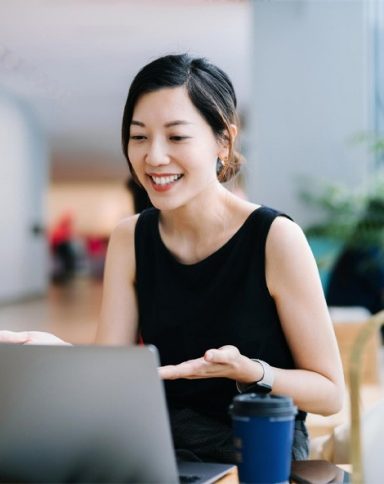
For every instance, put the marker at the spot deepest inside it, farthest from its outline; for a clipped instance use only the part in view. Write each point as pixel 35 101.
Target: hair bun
pixel 231 167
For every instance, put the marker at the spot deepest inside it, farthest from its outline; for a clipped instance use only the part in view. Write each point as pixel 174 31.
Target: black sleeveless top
pixel 186 309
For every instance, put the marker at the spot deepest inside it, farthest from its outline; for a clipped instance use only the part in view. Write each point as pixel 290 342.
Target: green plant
pixel 353 216
pixel 348 218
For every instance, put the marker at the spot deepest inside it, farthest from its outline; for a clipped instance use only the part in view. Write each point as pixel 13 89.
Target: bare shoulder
pixel 285 235
pixel 288 257
pixel 122 242
pixel 125 229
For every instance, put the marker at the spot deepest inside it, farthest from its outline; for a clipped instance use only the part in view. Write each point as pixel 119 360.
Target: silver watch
pixel 264 385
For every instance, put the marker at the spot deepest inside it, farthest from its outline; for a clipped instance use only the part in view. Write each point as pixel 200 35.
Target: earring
pixel 219 165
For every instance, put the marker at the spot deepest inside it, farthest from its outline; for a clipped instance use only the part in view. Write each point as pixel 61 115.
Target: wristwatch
pixel 264 385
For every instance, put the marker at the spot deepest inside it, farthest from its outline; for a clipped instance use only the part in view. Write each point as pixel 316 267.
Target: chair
pixel 367 445
pixel 347 323
pixel 373 445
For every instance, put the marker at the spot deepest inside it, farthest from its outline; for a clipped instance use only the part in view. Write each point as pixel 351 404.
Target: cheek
pixel 133 155
pixel 201 154
pixel 130 152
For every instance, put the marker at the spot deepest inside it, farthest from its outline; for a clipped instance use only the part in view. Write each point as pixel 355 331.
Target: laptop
pixel 88 414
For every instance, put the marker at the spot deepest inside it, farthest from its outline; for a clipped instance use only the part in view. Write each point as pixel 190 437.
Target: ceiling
pixel 73 60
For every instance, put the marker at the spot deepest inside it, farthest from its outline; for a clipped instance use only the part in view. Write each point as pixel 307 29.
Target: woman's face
pixel 172 148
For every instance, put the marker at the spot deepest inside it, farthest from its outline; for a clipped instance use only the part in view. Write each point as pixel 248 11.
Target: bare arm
pixel 119 316
pixel 294 283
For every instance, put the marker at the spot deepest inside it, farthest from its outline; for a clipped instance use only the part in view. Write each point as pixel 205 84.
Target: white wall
pixel 23 175
pixel 96 207
pixel 310 94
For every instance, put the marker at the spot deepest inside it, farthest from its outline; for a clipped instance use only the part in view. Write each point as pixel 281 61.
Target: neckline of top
pixel 209 257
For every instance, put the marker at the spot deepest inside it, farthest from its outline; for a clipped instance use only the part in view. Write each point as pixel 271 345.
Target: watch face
pixel 263 388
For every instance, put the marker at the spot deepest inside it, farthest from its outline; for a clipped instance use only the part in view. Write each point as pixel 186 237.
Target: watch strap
pixel 264 385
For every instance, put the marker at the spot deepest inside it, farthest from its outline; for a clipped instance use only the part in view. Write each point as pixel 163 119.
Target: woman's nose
pixel 156 155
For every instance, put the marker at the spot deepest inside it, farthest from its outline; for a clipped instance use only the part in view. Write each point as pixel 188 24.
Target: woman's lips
pixel 164 182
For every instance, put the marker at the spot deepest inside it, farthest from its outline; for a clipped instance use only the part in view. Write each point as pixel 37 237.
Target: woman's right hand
pixel 30 338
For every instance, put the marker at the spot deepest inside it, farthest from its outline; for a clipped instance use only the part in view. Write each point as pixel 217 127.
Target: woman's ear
pixel 224 143
pixel 233 131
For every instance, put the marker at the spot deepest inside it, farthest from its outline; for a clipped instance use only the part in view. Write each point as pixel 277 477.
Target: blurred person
pixel 60 241
pixel 227 290
pixel 357 277
pixel 96 247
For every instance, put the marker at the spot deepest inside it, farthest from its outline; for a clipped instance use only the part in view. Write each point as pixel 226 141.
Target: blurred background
pixel 309 76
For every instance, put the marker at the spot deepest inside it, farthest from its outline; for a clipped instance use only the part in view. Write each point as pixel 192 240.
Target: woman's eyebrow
pixel 176 123
pixel 167 125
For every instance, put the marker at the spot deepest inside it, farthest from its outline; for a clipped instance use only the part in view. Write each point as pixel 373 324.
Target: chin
pixel 168 204
pixel 163 204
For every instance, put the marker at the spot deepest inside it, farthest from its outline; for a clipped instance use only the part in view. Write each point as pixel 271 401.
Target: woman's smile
pixel 164 182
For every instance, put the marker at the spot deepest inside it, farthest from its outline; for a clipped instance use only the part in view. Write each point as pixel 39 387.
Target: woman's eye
pixel 178 138
pixel 137 137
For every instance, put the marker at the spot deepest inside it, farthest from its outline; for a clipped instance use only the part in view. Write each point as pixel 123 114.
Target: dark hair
pixel 140 198
pixel 210 91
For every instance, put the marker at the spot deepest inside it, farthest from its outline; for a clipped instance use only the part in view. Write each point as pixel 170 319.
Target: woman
pixel 214 281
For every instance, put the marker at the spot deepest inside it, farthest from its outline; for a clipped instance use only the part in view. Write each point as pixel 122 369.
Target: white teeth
pixel 165 180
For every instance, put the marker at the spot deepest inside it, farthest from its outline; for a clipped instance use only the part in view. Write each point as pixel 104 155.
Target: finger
pixel 16 337
pixel 167 372
pixel 216 356
pixel 43 338
pixel 188 369
pixel 223 355
pixel 39 338
pixel 173 372
pixel 228 347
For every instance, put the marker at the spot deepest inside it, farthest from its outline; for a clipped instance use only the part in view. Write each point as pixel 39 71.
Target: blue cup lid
pixel 259 405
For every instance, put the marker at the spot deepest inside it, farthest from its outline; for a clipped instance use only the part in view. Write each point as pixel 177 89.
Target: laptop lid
pixel 83 414
pixel 88 414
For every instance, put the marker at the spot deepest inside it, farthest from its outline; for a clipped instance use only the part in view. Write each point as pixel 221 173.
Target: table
pixel 319 471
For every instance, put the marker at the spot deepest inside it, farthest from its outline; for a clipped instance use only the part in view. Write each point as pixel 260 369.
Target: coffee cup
pixel 263 434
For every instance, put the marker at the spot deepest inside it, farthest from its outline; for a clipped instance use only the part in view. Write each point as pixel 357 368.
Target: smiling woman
pixel 208 90
pixel 226 289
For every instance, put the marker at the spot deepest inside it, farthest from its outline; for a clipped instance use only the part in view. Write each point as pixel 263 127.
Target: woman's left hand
pixel 224 362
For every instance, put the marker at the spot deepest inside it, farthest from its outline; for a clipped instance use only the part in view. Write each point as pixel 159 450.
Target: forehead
pixel 165 105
